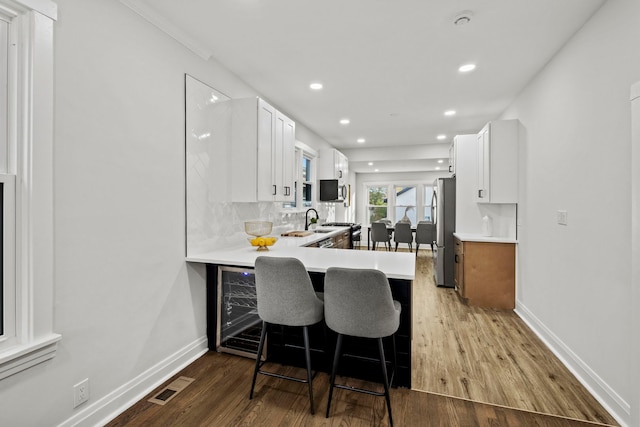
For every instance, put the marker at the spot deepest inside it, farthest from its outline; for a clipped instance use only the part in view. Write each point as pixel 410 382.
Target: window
pixel 307 181
pixel 426 208
pixel 377 202
pixel 5 283
pixel 304 177
pixel 395 201
pixel 26 147
pixel 405 205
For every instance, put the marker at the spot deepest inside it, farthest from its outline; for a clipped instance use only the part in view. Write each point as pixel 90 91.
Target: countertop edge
pixel 484 239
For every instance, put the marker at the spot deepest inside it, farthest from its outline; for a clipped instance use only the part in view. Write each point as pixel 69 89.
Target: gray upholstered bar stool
pixel 358 303
pixel 403 234
pixel 285 297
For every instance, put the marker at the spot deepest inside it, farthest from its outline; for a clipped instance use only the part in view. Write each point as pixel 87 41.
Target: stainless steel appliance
pixel 332 191
pixel 356 231
pixel 239 325
pixel 443 212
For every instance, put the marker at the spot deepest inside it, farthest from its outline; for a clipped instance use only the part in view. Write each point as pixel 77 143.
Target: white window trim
pixel 302 150
pixel 30 123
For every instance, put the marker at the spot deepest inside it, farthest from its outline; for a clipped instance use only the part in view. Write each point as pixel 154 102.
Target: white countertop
pixel 396 265
pixel 486 239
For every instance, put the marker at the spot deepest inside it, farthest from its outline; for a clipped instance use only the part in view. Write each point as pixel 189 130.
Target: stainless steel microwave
pixel 332 191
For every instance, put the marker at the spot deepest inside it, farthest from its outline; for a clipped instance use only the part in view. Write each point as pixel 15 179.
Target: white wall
pixel 126 302
pixel 574 281
pixel 635 249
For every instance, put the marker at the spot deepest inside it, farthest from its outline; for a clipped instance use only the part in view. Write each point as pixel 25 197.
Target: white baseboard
pixel 116 402
pixel 601 391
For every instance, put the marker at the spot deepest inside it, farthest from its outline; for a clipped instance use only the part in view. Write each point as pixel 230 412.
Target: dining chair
pixel 403 234
pixel 425 233
pixel 380 234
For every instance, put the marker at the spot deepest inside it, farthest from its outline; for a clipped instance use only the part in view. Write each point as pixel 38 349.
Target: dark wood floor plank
pixel 219 396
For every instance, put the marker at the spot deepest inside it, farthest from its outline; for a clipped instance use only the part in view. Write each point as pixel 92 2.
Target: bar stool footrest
pixel 287 377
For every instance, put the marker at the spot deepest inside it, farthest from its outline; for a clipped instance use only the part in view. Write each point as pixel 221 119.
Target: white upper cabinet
pixel 333 165
pixel 262 147
pixel 497 174
pixel 452 156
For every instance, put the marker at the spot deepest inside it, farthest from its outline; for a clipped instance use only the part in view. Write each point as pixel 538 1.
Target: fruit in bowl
pixel 260 229
pixel 262 242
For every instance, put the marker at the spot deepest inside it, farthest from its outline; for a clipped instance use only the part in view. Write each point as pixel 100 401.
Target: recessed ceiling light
pixel 450 113
pixel 437 168
pixel 361 140
pixel 316 86
pixel 376 170
pixel 440 161
pixel 441 136
pixel 466 68
pixel 345 121
pixel 370 163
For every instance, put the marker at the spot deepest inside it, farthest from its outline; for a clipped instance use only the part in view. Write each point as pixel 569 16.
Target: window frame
pixel 302 150
pixel 367 186
pixel 29 168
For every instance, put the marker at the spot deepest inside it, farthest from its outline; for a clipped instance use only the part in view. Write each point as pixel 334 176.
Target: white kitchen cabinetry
pixel 262 153
pixel 333 165
pixel 497 180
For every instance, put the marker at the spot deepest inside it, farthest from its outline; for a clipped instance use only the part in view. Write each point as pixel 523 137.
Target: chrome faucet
pixel 306 218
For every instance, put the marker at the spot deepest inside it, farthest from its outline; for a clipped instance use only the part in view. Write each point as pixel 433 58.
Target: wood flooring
pixel 462 356
pixel 488 356
pixel 219 397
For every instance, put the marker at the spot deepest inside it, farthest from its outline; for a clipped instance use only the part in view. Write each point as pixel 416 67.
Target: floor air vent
pixel 170 391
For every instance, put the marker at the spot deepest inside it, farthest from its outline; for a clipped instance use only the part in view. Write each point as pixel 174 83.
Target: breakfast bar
pixel 233 325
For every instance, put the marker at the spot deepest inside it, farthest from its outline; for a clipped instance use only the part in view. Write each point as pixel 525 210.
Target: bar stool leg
pixel 385 379
pixel 263 335
pixel 334 369
pixel 307 354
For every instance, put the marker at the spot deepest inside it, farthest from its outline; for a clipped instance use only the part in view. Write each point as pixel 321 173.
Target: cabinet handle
pixel 457 259
pixel 480 194
pixel 275 190
pixel 339 174
pixel 287 191
pixel 450 167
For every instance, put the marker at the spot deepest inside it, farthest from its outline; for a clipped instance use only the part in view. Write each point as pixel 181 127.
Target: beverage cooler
pixel 238 323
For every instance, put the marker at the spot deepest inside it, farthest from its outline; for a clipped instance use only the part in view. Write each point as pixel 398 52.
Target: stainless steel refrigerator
pixel 443 212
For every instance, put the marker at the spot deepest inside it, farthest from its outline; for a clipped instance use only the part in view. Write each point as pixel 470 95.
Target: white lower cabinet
pixel 262 153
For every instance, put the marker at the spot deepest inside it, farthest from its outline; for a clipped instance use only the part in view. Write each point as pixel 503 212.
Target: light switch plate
pixel 562 217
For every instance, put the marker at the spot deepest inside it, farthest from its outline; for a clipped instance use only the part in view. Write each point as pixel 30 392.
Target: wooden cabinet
pixel 342 240
pixel 497 173
pixel 484 274
pixel 332 164
pixel 262 153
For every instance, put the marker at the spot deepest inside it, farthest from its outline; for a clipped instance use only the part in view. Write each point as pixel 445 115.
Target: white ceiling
pixel 390 66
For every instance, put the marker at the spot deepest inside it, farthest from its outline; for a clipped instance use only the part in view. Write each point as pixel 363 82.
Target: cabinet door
pixel 267 188
pixel 288 159
pixel 484 165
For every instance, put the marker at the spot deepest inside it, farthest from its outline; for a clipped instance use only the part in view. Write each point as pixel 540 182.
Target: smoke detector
pixel 462 18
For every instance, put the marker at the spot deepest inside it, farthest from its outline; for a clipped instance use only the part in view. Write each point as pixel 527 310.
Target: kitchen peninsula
pixel 233 325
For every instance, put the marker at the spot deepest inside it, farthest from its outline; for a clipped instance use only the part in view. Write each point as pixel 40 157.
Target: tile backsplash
pixel 221 224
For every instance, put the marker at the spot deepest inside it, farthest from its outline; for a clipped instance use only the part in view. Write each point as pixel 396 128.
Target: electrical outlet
pixel 562 217
pixel 81 392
